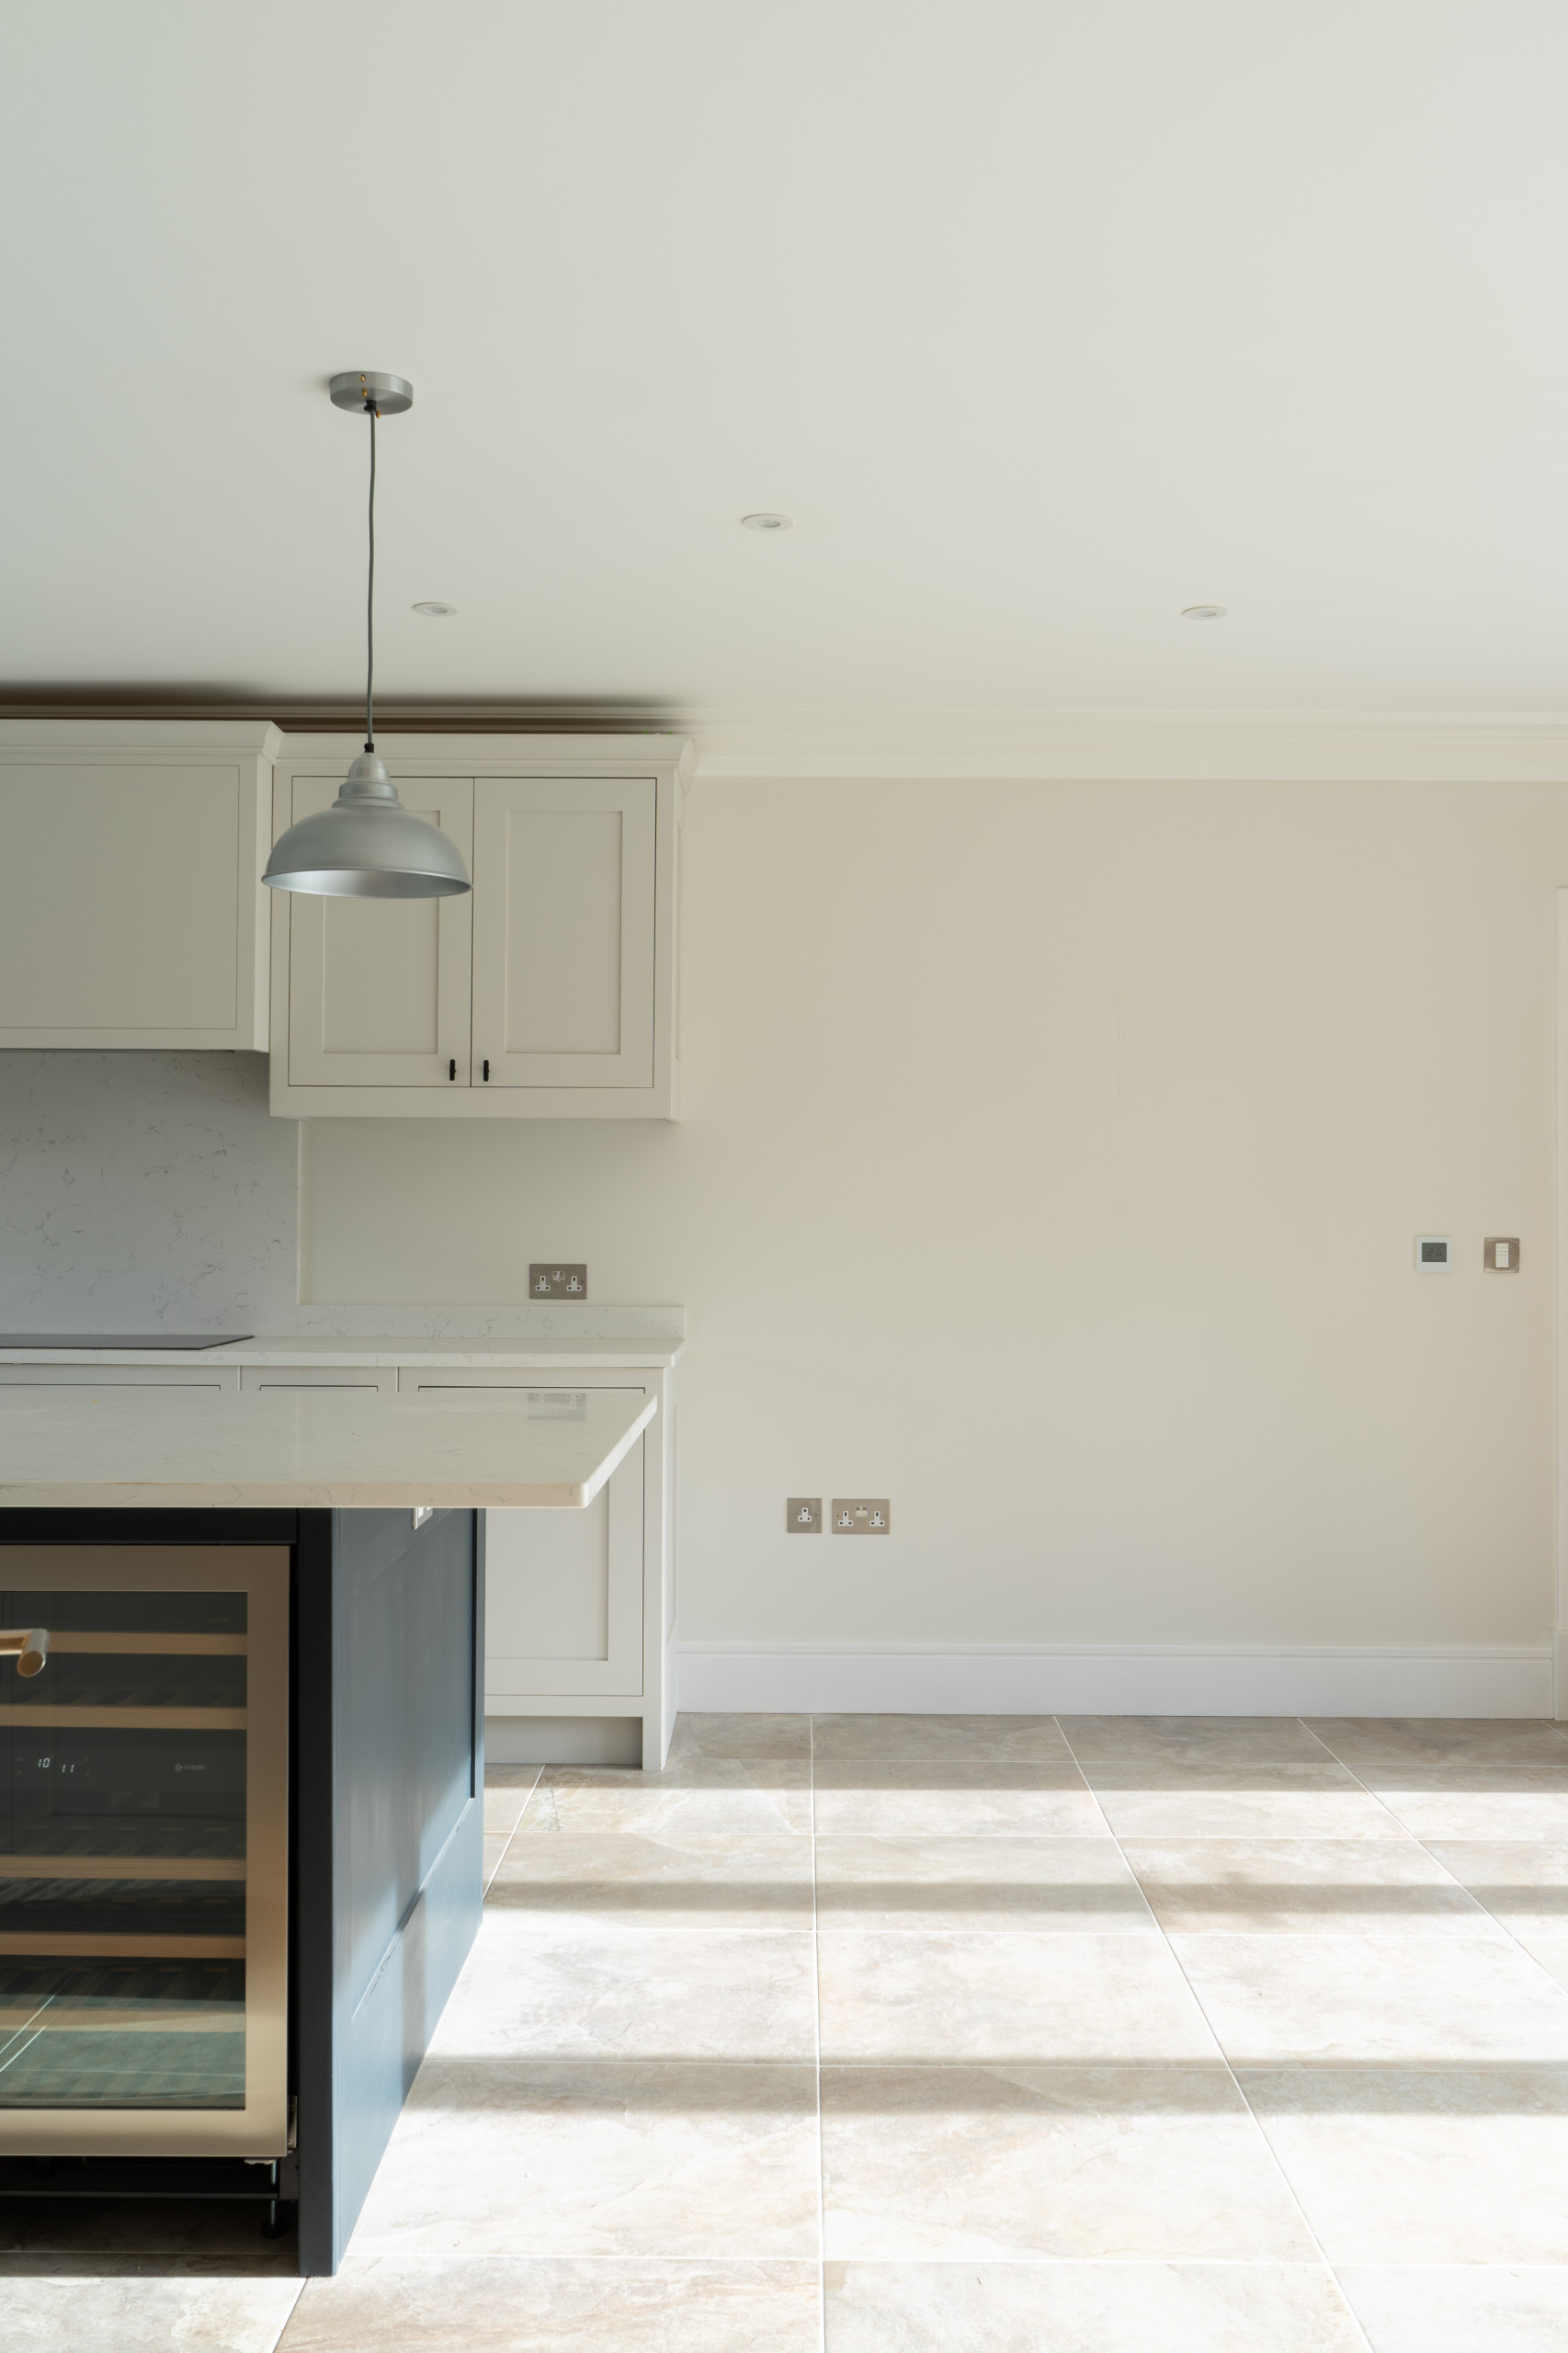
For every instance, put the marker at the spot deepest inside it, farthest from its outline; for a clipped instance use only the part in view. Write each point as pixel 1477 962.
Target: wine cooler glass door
pixel 144 1850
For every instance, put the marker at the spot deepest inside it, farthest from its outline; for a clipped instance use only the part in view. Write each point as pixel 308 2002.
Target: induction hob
pixel 186 1340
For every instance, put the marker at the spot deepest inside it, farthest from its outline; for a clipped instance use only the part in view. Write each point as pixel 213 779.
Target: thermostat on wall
pixel 1432 1253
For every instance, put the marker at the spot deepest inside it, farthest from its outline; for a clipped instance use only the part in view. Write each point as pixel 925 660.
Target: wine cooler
pixel 143 1850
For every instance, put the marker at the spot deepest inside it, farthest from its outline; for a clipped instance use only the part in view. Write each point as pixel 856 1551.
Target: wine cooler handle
pixel 28 1645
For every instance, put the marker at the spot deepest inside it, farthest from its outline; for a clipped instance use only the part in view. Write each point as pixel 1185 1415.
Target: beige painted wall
pixel 1052 1160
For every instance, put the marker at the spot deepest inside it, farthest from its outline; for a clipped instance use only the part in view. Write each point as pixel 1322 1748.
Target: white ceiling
pixel 1042 318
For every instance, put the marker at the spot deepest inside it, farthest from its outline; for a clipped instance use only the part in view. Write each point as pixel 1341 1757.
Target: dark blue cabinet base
pixel 388 1831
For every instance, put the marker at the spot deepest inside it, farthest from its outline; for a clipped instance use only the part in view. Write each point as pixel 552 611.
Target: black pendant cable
pixel 371 412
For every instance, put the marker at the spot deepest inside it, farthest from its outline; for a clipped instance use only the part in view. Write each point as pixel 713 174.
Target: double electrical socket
pixel 558 1282
pixel 852 1515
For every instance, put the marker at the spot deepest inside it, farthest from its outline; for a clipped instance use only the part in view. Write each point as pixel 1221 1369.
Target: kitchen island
pixel 241 1854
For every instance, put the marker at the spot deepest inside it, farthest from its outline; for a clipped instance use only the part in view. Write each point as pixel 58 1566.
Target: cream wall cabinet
pixel 548 992
pixel 131 909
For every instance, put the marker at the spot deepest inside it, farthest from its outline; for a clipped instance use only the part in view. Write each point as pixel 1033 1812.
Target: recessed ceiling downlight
pixel 765 523
pixel 1204 612
pixel 433 611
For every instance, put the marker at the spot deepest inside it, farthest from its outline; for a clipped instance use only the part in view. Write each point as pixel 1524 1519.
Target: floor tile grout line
pixel 1110 1834
pixel 288 2317
pixel 1333 2271
pixel 1272 2155
pixel 511 1833
pixel 1484 1911
pixel 1487 1913
pixel 816 2044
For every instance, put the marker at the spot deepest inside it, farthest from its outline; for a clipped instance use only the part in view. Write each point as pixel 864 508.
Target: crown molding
pixel 738 743
pixel 1132 747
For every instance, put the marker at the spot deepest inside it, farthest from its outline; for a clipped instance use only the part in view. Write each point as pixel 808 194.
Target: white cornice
pixel 1241 746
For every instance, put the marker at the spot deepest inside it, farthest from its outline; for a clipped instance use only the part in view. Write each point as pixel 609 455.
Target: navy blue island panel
pixel 389 1781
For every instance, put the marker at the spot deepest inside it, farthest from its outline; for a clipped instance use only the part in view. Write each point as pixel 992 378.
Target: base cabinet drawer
pixel 119 1376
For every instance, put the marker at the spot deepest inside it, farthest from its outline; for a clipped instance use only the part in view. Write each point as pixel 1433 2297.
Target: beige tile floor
pixel 917 2034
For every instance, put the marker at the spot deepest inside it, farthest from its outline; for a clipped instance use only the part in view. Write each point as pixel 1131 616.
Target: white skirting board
pixel 1264 1679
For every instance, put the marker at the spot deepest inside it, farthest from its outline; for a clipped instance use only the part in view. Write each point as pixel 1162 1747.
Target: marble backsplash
pixel 145 1192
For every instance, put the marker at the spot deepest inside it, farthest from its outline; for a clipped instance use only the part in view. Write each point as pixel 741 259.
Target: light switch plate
pixel 1500 1251
pixel 547 1281
pixel 802 1515
pixel 861 1516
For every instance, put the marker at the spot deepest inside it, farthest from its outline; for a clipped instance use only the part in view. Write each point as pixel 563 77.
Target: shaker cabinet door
pixel 116 900
pixel 379 989
pixel 563 932
pixel 563 1597
pixel 562 1590
pixel 131 909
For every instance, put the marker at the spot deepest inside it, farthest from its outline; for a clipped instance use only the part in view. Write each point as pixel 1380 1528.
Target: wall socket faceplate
pixel 802 1515
pixel 548 1282
pixel 861 1516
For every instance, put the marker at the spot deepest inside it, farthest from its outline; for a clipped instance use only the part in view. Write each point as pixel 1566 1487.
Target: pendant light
pixel 368 845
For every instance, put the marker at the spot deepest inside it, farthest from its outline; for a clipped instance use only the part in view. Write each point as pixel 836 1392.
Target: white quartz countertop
pixel 307 1450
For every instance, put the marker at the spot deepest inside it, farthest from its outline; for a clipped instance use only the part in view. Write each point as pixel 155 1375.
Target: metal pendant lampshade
pixel 368 845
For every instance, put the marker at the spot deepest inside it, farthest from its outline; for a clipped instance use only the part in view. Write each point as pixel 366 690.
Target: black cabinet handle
pixel 452 1067
pixel 487 1074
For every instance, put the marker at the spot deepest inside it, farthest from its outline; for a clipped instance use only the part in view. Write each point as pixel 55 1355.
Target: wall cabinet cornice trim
pixel 737 743
pixel 161 739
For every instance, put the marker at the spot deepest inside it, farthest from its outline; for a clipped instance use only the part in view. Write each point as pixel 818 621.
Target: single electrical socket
pixel 558 1282
pixel 802 1515
pixel 861 1516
